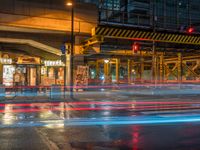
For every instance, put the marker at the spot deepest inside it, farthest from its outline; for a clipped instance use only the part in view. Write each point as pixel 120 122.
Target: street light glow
pixel 106 61
pixel 69 4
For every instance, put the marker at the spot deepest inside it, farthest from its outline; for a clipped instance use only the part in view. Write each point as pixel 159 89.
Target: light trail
pixel 101 103
pixel 138 108
pixel 130 102
pixel 158 85
pixel 144 120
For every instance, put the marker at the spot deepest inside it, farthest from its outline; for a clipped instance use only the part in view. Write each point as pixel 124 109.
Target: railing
pixel 142 20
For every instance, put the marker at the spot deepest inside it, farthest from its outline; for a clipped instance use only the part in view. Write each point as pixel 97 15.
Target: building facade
pixel 33 32
pixel 162 14
pixel 179 17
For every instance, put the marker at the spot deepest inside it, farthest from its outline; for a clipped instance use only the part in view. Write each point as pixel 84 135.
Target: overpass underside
pixel 163 57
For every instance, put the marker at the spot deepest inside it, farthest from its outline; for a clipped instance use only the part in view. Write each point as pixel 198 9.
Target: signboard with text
pixel 28 60
pixel 82 76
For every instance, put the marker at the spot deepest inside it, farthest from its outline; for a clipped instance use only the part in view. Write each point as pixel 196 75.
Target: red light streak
pixel 100 103
pixel 135 137
pixel 137 108
pixel 148 83
pixel 129 102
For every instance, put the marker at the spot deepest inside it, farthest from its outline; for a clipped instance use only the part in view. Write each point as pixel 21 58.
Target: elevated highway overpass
pixel 44 25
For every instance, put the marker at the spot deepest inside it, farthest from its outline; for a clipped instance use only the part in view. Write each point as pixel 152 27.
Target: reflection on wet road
pixel 137 123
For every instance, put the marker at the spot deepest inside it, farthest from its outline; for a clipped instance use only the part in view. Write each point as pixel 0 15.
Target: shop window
pixel 51 73
pixel 8 72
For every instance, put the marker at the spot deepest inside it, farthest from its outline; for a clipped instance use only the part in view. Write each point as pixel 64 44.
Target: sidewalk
pixel 127 94
pixel 58 97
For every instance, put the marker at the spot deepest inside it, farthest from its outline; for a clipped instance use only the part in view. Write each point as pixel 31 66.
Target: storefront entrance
pixel 15 75
pixel 32 76
pixel 32 71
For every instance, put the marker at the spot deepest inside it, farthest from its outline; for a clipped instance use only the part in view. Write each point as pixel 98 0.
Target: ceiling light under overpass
pixel 106 61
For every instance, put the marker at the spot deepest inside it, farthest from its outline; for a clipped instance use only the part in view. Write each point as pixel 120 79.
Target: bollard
pixel 55 93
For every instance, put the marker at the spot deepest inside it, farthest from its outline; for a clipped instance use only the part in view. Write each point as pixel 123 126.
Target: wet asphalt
pixel 105 125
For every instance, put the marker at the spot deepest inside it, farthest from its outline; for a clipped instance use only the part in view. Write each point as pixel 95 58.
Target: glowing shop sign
pixel 53 63
pixel 5 60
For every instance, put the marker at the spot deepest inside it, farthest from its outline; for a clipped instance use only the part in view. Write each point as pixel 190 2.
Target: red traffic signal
pixel 135 47
pixel 190 30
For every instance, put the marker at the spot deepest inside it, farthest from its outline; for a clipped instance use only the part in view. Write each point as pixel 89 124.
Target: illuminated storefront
pixel 20 70
pixel 25 70
pixel 52 72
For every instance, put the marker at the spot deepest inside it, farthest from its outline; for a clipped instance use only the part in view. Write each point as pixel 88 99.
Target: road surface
pixel 113 121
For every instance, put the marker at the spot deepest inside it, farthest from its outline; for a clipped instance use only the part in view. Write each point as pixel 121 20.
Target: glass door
pixel 32 76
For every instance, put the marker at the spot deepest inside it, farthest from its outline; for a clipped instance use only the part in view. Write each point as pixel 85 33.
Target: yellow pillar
pixel 179 67
pixel 129 71
pixel 161 68
pixel 154 64
pixel 117 70
pixel 106 72
pixel 67 69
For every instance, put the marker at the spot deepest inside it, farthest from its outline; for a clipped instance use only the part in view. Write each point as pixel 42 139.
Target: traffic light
pixel 63 49
pixel 190 30
pixel 135 47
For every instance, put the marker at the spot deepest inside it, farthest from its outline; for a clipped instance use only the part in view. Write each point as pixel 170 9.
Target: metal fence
pixel 146 20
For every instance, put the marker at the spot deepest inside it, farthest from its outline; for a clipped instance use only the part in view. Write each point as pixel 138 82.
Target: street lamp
pixel 70 4
pixel 106 61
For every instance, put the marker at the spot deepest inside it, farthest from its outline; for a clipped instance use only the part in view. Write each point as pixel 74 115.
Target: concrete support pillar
pixel 117 70
pixel 161 68
pixel 129 71
pixel 179 67
pixel 77 44
pixel 67 69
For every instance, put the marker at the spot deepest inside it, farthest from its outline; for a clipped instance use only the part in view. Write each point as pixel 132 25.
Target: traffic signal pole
pixel 72 55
